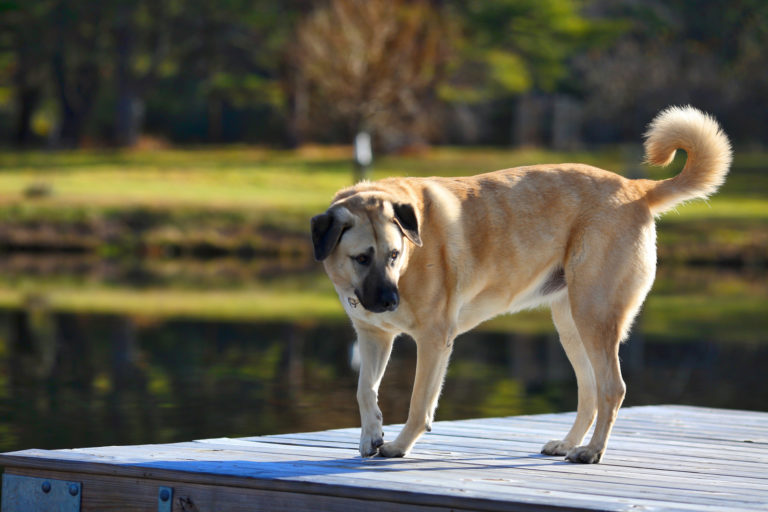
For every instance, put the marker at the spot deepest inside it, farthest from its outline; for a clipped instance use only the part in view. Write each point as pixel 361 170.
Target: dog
pixel 434 257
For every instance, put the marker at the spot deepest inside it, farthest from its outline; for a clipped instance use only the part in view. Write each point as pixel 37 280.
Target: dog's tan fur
pixel 571 236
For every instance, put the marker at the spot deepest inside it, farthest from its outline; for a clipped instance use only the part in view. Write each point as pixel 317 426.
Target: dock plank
pixel 659 458
pixel 623 458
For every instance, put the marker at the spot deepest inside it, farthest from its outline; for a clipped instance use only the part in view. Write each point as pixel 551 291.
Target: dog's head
pixel 363 242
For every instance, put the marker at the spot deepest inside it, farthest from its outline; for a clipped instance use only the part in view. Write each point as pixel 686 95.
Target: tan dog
pixel 434 257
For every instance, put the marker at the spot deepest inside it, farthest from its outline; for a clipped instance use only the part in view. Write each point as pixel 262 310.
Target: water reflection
pixel 70 380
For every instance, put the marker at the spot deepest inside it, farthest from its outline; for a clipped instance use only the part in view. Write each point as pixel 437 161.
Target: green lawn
pixel 256 304
pixel 244 182
pixel 255 181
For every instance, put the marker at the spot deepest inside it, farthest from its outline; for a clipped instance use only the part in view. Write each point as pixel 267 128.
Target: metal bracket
pixel 164 499
pixel 31 494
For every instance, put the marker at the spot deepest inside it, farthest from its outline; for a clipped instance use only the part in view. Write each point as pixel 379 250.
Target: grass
pixel 216 178
pixel 288 299
pixel 239 305
pixel 256 181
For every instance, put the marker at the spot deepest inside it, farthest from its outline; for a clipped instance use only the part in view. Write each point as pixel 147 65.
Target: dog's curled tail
pixel 709 156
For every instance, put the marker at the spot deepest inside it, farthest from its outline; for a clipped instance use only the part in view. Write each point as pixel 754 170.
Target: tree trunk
pixel 128 115
pixel 215 118
pixel 529 121
pixel 566 123
pixel 76 86
pixel 300 110
pixel 27 99
pixel 71 127
pixel 75 101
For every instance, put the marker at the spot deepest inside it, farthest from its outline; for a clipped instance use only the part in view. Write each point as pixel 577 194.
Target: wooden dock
pixel 659 458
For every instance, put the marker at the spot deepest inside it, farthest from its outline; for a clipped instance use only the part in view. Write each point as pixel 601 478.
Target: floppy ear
pixel 326 232
pixel 405 218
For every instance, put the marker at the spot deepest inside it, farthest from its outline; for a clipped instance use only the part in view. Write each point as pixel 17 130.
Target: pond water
pixel 88 379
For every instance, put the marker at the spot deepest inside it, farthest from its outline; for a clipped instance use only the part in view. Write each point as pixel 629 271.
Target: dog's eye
pixel 362 259
pixel 394 254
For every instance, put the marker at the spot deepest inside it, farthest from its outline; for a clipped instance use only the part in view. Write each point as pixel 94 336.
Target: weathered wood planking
pixel 659 458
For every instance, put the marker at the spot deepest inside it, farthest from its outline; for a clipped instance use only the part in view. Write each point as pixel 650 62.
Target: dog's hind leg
pixel 604 300
pixel 585 379
pixel 375 349
pixel 432 355
pixel 601 343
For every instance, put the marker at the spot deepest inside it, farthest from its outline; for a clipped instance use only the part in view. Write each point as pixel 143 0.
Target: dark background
pixel 125 72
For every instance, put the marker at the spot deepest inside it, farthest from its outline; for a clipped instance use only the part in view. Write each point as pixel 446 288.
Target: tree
pixel 374 64
pixel 77 57
pixel 63 48
pixel 111 54
pixel 677 53
pixel 25 52
pixel 514 52
pixel 141 43
pixel 232 49
pixel 511 46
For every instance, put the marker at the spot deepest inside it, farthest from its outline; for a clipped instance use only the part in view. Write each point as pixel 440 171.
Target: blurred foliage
pixel 86 72
pixel 705 53
pixel 394 54
pixel 104 62
pixel 511 46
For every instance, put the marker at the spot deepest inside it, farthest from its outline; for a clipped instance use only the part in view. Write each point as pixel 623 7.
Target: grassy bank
pixel 260 180
pixel 258 201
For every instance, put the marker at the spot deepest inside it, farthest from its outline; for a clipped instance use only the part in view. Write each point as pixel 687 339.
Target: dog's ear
pixel 406 220
pixel 327 229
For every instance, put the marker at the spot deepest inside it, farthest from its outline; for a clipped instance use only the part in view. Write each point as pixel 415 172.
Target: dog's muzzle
pixel 387 299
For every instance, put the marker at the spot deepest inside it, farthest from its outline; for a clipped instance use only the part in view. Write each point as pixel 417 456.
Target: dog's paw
pixel 370 443
pixel 391 450
pixel 584 455
pixel 557 447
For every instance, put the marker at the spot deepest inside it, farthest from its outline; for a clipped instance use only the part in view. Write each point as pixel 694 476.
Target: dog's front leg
pixel 432 357
pixel 375 348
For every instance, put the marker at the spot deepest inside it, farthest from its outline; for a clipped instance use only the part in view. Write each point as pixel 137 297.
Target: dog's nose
pixel 389 299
